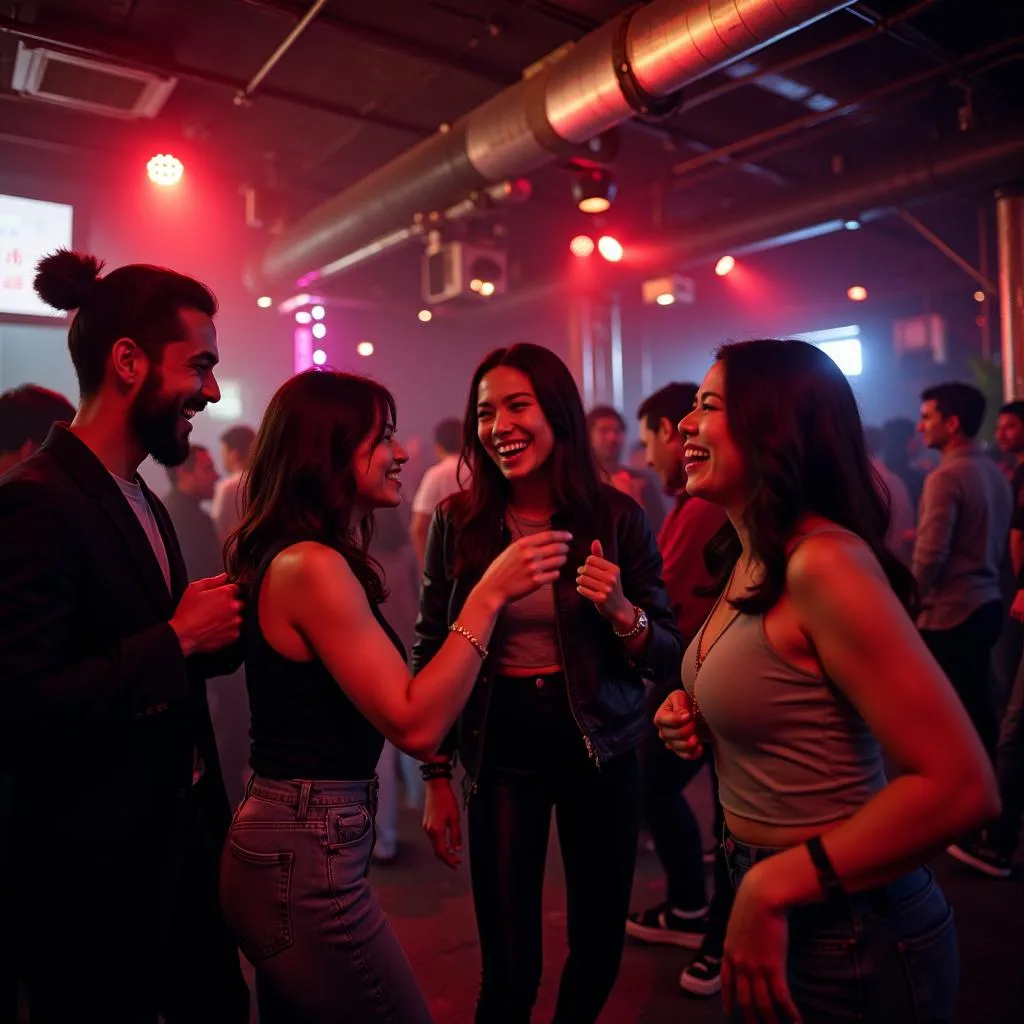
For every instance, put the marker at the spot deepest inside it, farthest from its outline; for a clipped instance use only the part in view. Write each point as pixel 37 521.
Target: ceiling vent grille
pixel 85 84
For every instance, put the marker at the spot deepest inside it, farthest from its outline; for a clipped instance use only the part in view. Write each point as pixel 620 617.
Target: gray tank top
pixel 529 635
pixel 790 749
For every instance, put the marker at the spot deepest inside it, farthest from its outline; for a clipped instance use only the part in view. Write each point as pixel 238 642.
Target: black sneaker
pixel 703 977
pixel 982 858
pixel 664 925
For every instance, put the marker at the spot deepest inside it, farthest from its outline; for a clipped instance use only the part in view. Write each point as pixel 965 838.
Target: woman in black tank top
pixel 835 916
pixel 327 684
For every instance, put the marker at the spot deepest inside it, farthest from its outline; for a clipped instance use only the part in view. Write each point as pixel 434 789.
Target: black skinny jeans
pixel 534 760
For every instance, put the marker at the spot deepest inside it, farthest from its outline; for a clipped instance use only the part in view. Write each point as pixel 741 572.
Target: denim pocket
pixel 348 826
pixel 255 892
pixel 931 965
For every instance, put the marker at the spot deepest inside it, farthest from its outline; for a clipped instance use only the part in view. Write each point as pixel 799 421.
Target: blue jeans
pixel 887 956
pixel 295 894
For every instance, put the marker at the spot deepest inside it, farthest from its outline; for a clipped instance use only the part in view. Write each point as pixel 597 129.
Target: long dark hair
pixel 794 416
pixel 477 512
pixel 301 481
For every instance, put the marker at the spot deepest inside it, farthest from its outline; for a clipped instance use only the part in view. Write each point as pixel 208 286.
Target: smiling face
pixel 175 389
pixel 511 425
pixel 714 465
pixel 377 467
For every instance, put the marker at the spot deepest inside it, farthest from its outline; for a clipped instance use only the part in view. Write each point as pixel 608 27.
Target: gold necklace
pixel 701 658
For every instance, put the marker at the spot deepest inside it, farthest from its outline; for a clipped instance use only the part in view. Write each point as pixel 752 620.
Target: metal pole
pixel 615 322
pixel 983 266
pixel 950 253
pixel 587 351
pixel 1010 238
pixel 245 94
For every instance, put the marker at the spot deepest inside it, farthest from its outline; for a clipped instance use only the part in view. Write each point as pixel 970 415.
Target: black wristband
pixel 831 887
pixel 436 770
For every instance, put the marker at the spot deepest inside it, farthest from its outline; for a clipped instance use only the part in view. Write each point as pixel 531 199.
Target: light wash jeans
pixel 295 893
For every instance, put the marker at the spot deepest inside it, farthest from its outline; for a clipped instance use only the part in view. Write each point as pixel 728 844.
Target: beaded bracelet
pixel 436 770
pixel 457 627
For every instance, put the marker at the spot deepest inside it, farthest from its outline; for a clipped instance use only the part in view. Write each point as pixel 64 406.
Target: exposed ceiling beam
pixel 396 42
pixel 97 41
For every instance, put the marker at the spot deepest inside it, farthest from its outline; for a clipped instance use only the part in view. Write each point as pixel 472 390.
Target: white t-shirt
pixel 440 481
pixel 226 508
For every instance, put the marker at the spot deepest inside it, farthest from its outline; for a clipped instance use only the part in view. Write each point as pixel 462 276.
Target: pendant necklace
pixel 701 658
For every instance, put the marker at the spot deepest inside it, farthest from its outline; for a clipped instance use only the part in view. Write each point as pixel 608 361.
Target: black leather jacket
pixel 606 685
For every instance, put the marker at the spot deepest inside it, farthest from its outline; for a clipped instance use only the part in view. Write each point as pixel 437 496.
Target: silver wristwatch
pixel 640 623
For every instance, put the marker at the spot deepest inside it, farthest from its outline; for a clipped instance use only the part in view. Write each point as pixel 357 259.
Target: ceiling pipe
pixel 635 64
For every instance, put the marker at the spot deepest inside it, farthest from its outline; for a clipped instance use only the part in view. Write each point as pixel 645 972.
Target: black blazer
pixel 100 712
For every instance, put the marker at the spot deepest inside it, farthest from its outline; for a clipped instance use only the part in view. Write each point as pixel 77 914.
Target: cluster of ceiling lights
pixel 165 170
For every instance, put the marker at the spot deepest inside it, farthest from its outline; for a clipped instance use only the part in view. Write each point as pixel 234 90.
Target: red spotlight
pixel 724 265
pixel 610 248
pixel 582 246
pixel 164 169
pixel 857 293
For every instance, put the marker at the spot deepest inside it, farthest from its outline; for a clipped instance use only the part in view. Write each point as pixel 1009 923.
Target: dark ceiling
pixel 368 80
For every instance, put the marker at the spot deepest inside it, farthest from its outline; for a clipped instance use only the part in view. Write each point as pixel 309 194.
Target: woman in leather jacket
pixel 558 710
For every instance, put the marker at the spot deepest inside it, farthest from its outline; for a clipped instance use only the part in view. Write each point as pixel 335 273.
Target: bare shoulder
pixel 309 565
pixel 827 560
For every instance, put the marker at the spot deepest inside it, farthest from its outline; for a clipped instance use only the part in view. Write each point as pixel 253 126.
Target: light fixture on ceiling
pixel 365 348
pixel 264 302
pixel 425 316
pixel 165 170
pixel 725 265
pixel 319 357
pixel 582 246
pixel 857 293
pixel 594 190
pixel 610 248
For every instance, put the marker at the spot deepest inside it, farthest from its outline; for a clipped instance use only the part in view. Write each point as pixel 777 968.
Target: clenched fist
pixel 208 616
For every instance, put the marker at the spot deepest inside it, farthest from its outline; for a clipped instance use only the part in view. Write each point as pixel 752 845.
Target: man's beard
pixel 155 421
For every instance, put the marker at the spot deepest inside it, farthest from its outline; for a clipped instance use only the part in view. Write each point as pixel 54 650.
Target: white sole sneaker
pixel 698 986
pixel 664 936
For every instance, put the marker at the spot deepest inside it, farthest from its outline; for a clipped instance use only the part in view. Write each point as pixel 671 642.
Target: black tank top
pixel 303 724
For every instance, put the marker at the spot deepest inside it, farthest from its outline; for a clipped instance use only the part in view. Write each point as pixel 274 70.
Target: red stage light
pixel 164 169
pixel 610 248
pixel 582 246
pixel 724 265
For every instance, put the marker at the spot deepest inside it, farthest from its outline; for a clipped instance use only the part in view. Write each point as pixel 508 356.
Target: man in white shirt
pixel 226 511
pixel 440 480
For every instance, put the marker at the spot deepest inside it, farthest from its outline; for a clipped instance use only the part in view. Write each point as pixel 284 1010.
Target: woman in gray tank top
pixel 807 668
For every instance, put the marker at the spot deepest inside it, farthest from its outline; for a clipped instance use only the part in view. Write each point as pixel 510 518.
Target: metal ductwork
pixel 633 65
pixel 977 159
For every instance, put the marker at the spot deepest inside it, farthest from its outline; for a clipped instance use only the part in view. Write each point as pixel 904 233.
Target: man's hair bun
pixel 66 279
